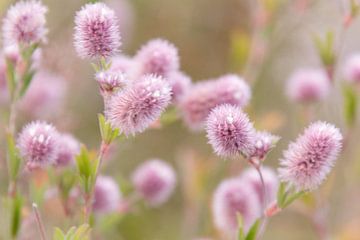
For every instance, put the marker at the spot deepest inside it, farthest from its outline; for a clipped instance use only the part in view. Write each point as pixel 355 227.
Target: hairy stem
pixel 39 222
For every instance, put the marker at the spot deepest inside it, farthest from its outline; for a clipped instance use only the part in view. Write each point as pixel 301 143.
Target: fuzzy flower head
pixel 308 85
pixel 137 106
pixel 107 195
pixel 158 57
pixel 96 31
pixel 4 93
pixel 230 131
pixel 110 81
pixel 204 96
pixel 233 197
pixel 180 83
pixel 24 23
pixel 271 181
pixel 309 159
pixel 68 148
pixel 155 181
pixel 264 143
pixel 38 144
pixel 352 69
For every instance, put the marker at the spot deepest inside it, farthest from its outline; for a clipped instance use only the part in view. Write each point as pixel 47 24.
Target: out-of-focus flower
pixel 68 148
pixel 96 31
pixel 204 96
pixel 45 96
pixel 155 181
pixel 352 69
pixel 230 131
pixel 24 23
pixel 12 53
pixel 264 142
pixel 180 83
pixel 4 93
pixel 107 195
pixel 309 159
pixel 110 81
pixel 271 182
pixel 308 85
pixel 122 64
pixel 139 104
pixel 158 57
pixel 38 144
pixel 233 197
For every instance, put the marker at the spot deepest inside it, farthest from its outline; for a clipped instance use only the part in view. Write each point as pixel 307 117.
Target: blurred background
pixel 262 40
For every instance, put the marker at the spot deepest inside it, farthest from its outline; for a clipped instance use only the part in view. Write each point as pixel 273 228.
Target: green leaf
pixel 82 233
pixel 58 234
pixel 16 215
pixel 253 230
pixel 26 82
pixel 325 47
pixel 281 194
pixel 10 77
pixel 241 234
pixel 13 157
pixel 170 116
pixel 350 105
pixel 292 198
pixel 108 134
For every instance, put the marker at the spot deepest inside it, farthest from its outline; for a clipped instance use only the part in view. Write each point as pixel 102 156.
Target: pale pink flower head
pixel 96 31
pixel 12 53
pixel 158 57
pixel 141 103
pixel 24 23
pixel 110 82
pixel 264 143
pixel 155 181
pixel 107 195
pixel 251 177
pixel 352 69
pixel 4 93
pixel 230 131
pixel 38 144
pixel 308 85
pixel 309 159
pixel 45 96
pixel 204 96
pixel 180 83
pixel 231 198
pixel 68 149
pixel 123 64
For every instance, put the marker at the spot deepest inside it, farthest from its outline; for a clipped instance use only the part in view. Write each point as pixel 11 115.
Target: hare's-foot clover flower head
pixel 204 96
pixel 234 197
pixel 180 83
pixel 96 31
pixel 308 85
pixel 271 182
pixel 309 159
pixel 107 195
pixel 352 69
pixel 24 23
pixel 68 148
pixel 264 143
pixel 110 81
pixel 230 131
pixel 38 144
pixel 158 57
pixel 141 103
pixel 155 181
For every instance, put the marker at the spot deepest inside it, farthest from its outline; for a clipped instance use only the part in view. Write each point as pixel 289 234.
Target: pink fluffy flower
pixel 155 181
pixel 139 104
pixel 264 143
pixel 352 68
pixel 96 31
pixel 308 85
pixel 158 57
pixel 24 23
pixel 204 96
pixel 180 83
pixel 38 144
pixel 308 160
pixel 107 195
pixel 110 81
pixel 230 131
pixel 271 181
pixel 233 197
pixel 68 148
pixel 45 96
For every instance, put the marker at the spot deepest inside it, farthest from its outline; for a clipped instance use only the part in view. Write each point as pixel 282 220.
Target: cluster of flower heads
pixel 41 145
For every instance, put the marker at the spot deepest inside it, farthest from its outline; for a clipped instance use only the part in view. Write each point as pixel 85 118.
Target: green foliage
pixel 325 48
pixel 286 196
pixel 253 231
pixel 108 134
pixel 87 167
pixel 13 157
pixel 240 49
pixel 350 105
pixel 170 116
pixel 16 215
pixel 80 233
pixel 10 77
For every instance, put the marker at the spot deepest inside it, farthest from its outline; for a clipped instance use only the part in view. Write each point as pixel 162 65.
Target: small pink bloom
pixel 180 83
pixel 308 85
pixel 24 23
pixel 68 148
pixel 155 181
pixel 309 159
pixel 110 81
pixel 233 197
pixel 352 69
pixel 38 144
pixel 107 195
pixel 264 143
pixel 230 131
pixel 96 31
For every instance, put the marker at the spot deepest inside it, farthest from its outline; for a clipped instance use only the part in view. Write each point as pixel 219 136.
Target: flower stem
pixel 39 222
